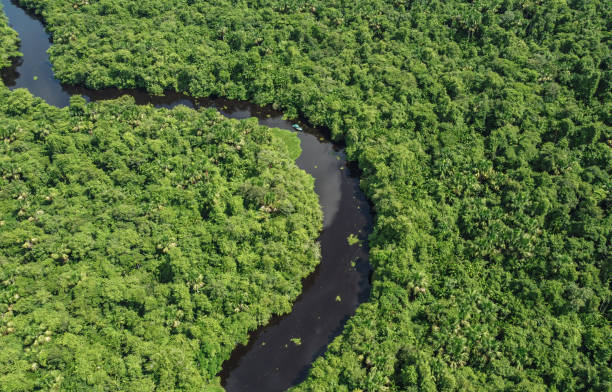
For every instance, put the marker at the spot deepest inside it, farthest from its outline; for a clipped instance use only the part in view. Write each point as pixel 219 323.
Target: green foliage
pixel 139 246
pixel 352 239
pixel 291 141
pixel 296 341
pixel 8 42
pixel 483 132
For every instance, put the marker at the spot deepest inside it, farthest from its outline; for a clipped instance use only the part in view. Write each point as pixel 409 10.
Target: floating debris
pixel 296 341
pixel 297 127
pixel 352 239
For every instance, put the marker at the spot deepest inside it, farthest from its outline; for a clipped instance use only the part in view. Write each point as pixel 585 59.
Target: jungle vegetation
pixel 483 131
pixel 138 246
pixel 8 42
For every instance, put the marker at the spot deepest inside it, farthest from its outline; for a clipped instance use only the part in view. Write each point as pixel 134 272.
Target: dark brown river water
pixel 270 362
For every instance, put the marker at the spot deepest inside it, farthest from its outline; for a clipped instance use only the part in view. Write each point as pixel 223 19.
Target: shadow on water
pixel 331 294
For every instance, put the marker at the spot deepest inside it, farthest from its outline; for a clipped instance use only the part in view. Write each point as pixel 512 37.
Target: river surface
pixel 270 361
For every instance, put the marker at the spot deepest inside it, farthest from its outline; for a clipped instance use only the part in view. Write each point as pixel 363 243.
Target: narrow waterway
pixel 270 362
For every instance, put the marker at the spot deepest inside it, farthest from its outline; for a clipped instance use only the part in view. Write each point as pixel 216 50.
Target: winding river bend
pixel 268 362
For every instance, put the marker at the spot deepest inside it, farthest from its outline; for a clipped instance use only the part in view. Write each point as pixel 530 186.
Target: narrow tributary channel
pixel 270 362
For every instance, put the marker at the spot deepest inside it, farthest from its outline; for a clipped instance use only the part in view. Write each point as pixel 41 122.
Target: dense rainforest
pixel 138 246
pixel 483 132
pixel 8 42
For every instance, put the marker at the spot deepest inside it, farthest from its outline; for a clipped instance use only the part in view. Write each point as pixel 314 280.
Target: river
pixel 269 362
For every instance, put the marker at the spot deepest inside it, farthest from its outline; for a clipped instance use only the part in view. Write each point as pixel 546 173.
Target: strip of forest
pixel 8 43
pixel 139 246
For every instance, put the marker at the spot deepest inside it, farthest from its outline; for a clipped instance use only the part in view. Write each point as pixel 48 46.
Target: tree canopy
pixel 483 132
pixel 8 42
pixel 139 246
